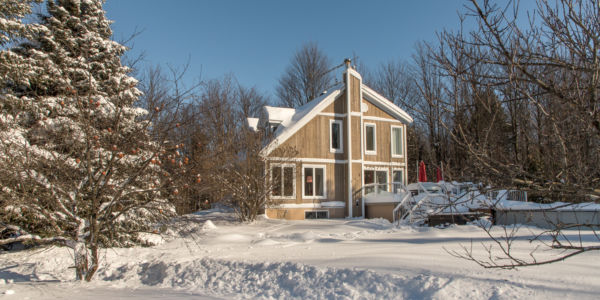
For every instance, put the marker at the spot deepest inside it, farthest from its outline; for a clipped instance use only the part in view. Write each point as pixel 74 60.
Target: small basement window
pixel 316 214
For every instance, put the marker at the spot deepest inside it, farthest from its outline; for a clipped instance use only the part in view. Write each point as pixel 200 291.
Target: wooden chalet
pixel 348 137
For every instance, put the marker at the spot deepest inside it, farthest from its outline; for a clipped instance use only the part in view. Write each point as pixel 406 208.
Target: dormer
pixel 272 117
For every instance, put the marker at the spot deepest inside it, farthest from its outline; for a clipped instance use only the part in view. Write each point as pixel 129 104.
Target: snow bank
pixel 281 280
pixel 151 238
pixel 313 259
pixel 262 280
pixel 208 225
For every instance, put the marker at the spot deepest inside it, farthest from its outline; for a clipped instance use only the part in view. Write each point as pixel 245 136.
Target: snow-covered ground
pixel 215 257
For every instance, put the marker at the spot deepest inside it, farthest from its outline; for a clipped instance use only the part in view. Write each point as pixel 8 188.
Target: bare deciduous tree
pixel 528 112
pixel 306 77
pixel 549 69
pixel 247 182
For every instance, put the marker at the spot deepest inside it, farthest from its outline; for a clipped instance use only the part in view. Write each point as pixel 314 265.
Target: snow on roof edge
pixel 386 104
pixel 303 115
pixel 308 111
pixel 252 123
pixel 280 114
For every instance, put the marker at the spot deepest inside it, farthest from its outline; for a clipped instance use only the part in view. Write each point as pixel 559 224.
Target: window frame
pixel 367 151
pixel 283 166
pixel 316 214
pixel 401 170
pixel 375 170
pixel 341 136
pixel 311 166
pixel 394 155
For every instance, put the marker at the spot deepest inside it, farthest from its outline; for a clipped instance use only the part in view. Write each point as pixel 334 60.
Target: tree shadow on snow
pixel 6 274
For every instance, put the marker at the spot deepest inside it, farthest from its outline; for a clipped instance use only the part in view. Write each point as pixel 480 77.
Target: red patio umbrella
pixel 422 172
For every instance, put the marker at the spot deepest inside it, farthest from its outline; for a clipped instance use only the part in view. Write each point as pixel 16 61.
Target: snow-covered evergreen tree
pixel 77 163
pixel 12 13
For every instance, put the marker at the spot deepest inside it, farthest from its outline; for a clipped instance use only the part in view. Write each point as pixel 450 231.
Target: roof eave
pixel 387 105
pixel 280 139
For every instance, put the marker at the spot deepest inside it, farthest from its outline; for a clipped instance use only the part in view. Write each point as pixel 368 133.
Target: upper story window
pixel 335 136
pixel 270 128
pixel 283 178
pixel 370 139
pixel 397 141
pixel 273 126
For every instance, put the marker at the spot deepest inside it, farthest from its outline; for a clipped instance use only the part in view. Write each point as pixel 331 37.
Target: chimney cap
pixel 347 61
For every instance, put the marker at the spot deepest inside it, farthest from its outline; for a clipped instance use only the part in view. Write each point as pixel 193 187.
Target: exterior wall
pixel 383 131
pixel 298 213
pixel 374 111
pixel 357 183
pixel 312 140
pixel 338 106
pixel 339 180
pixel 356 139
pixel 380 210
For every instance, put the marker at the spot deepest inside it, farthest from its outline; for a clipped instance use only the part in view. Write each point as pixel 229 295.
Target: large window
pixel 397 141
pixel 313 181
pixel 370 139
pixel 283 178
pixel 377 179
pixel 335 136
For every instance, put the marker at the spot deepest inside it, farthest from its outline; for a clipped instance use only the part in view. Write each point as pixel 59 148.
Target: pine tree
pixel 12 13
pixel 78 164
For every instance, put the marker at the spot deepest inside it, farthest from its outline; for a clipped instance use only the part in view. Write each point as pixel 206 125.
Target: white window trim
pixel 326 211
pixel 403 175
pixel 401 142
pixel 282 180
pixel 341 136
pixel 378 169
pixel 304 196
pixel 374 151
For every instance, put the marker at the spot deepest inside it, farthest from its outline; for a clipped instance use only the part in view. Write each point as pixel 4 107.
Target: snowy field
pixel 215 257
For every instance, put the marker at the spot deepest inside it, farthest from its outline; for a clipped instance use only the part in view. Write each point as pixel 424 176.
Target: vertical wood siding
pixel 312 140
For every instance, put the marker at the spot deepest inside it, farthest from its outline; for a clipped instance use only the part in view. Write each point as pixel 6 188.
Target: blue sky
pixel 254 40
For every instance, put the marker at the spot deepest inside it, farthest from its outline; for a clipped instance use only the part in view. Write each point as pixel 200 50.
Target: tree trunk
pixel 80 256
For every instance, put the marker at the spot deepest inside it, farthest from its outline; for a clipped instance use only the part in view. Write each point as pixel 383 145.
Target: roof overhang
pixel 386 105
pixel 289 127
pixel 304 114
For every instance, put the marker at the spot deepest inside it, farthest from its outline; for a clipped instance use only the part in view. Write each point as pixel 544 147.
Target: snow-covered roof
pixel 252 123
pixel 300 117
pixel 278 114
